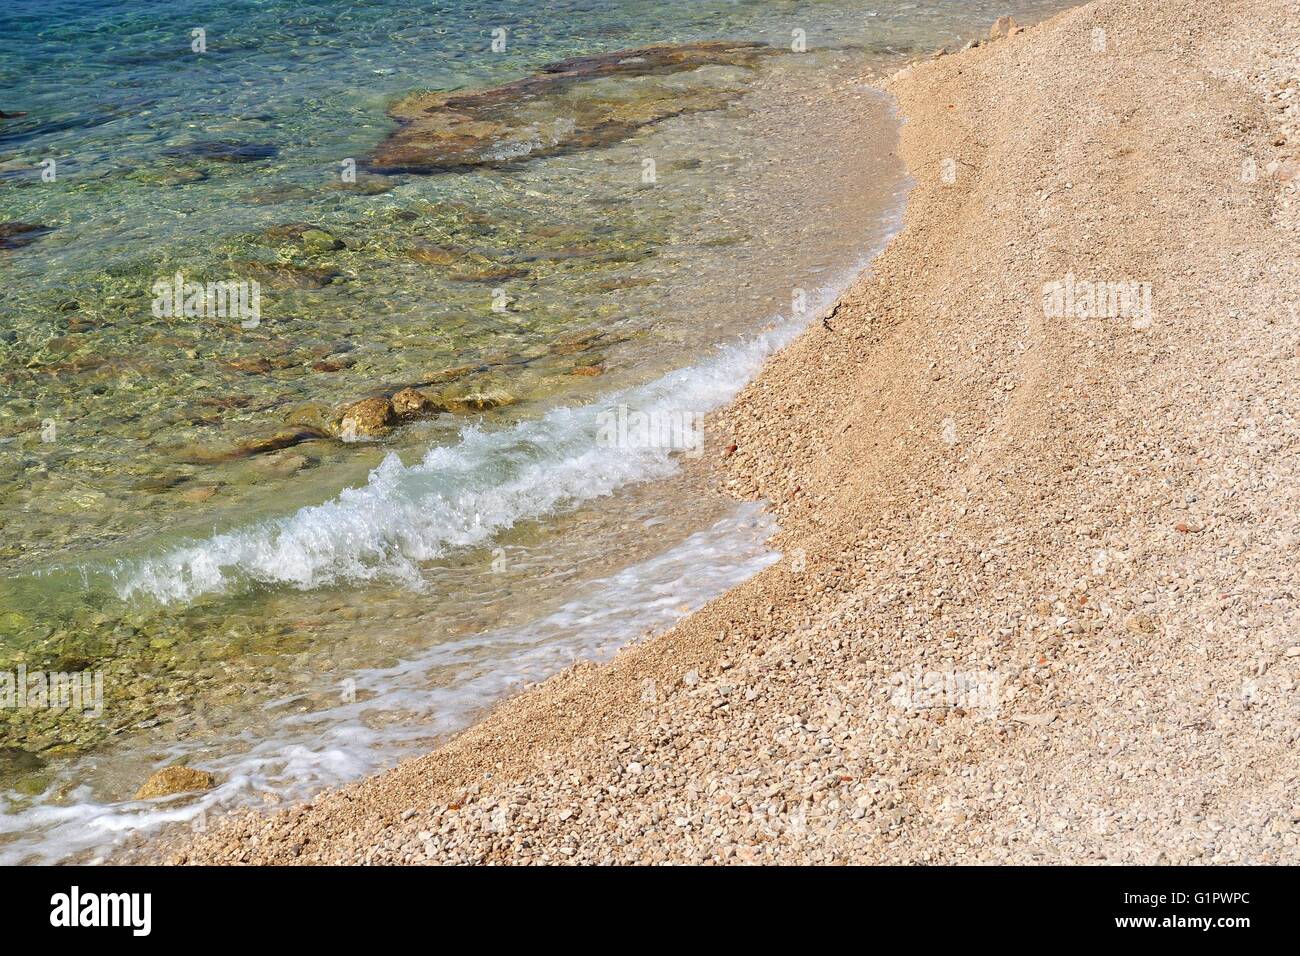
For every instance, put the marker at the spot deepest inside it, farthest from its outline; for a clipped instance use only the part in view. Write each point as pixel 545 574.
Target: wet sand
pixel 1038 596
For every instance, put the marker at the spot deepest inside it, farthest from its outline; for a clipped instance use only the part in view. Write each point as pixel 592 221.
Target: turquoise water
pixel 156 526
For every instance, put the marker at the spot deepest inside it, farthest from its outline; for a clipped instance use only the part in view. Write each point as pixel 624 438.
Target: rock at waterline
pixel 1003 27
pixel 368 418
pixel 411 403
pixel 170 780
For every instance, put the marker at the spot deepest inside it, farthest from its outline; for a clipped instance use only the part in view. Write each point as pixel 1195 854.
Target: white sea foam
pixel 459 496
pixel 436 693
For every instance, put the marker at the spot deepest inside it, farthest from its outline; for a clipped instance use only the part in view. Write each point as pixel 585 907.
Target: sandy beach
pixel 1036 475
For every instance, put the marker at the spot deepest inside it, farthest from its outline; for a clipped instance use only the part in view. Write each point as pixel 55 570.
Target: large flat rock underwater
pixel 569 105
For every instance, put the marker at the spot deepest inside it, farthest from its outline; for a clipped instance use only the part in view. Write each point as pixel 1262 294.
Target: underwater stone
pixel 541 115
pixel 217 152
pixel 411 403
pixel 14 235
pixel 478 396
pixel 318 240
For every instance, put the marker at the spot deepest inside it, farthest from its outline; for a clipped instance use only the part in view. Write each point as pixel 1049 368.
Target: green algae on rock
pixel 569 105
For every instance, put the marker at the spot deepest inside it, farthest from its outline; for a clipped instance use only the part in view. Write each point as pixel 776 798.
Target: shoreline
pixel 969 488
pixel 364 627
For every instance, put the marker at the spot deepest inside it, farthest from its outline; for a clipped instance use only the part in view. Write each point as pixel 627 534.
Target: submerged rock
pixel 311 416
pixel 286 438
pixel 559 110
pixel 288 230
pixel 279 194
pixel 288 275
pixel 198 494
pixel 283 464
pixel 318 240
pixel 170 780
pixel 494 273
pixel 217 152
pixel 577 343
pixel 366 185
pixel 478 396
pixel 412 403
pixel 332 364
pixel 14 235
pixel 167 176
pixel 280 440
pixel 249 365
pixel 14 760
pixel 315 239
pixel 433 255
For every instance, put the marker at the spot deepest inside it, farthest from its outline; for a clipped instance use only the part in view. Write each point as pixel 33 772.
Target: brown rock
pixel 289 276
pixel 249 365
pixel 283 464
pixel 589 370
pixel 320 241
pixel 489 274
pixel 432 255
pixel 578 343
pixel 451 374
pixel 410 403
pixel 368 418
pixel 177 779
pixel 287 230
pixel 311 416
pixel 477 396
pixel 499 125
pixel 281 439
pixel 366 185
pixel 198 495
pixel 1003 27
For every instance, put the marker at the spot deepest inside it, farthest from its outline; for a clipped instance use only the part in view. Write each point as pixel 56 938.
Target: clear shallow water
pixel 333 732
pixel 203 586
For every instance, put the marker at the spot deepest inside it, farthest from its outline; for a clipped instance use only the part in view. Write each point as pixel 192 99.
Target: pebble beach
pixel 1035 475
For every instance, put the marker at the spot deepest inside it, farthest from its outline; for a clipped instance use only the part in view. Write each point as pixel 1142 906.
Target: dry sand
pixel 1086 525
